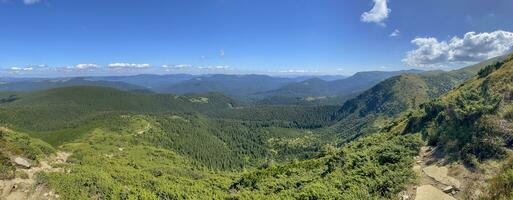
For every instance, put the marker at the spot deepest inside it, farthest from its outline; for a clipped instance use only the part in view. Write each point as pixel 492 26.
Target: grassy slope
pixel 376 107
pixel 59 115
pixel 116 160
pixel 471 123
pixel 19 144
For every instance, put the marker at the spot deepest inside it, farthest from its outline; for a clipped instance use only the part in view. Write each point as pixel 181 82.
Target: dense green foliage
pixel 128 145
pixel 501 186
pixel 378 106
pixel 70 108
pixel 366 169
pixel 121 165
pixel 281 116
pixel 471 122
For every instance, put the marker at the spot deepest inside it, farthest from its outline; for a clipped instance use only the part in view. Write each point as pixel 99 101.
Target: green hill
pixel 350 86
pixel 470 123
pixel 68 107
pixel 30 85
pixel 376 107
pixel 129 145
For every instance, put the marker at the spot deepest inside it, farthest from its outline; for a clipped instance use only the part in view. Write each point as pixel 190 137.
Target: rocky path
pixel 435 181
pixel 23 188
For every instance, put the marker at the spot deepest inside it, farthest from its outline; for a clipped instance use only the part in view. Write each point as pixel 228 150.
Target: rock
pixel 405 197
pixel 440 175
pixel 23 162
pixel 428 192
pixel 448 189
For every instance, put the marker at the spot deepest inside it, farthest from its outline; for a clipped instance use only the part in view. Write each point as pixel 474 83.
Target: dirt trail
pixel 440 180
pixel 26 188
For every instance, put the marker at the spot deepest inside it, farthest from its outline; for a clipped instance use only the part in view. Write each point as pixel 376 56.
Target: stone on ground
pixel 428 192
pixel 440 175
pixel 22 162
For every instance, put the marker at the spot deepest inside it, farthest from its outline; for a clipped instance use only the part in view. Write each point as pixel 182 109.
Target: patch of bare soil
pixel 439 179
pixel 23 188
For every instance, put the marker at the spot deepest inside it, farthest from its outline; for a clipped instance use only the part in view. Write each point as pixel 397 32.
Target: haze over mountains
pixel 249 88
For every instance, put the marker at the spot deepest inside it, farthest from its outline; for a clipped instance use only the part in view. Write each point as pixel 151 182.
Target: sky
pixel 277 37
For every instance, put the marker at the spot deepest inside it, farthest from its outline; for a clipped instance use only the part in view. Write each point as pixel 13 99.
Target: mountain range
pixel 117 140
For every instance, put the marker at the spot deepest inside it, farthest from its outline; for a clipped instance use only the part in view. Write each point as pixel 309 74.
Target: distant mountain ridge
pixel 345 87
pixel 29 85
pixel 232 85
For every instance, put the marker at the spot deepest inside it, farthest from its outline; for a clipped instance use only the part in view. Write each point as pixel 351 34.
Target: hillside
pixel 156 83
pixel 29 85
pixel 64 114
pixel 160 146
pixel 231 85
pixel 376 107
pixel 468 125
pixel 319 87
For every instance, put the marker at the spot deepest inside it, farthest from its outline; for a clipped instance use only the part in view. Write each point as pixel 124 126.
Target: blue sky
pixel 98 37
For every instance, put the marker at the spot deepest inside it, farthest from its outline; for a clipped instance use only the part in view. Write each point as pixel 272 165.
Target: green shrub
pixel 7 169
pixel 501 186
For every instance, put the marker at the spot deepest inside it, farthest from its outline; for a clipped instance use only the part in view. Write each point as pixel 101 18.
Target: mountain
pixel 323 77
pixel 374 108
pixel 99 142
pixel 156 83
pixel 468 131
pixel 350 86
pixel 231 85
pixel 63 108
pixel 28 85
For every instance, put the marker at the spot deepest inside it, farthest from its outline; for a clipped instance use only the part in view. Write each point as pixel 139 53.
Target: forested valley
pixel 85 141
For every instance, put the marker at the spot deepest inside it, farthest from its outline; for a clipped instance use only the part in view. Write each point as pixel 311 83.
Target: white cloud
pixel 19 69
pixel 128 65
pixel 31 2
pixel 473 47
pixel 378 14
pixel 221 52
pixel 395 33
pixel 85 66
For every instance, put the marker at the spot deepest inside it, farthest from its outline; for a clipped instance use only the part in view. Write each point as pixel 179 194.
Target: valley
pixel 407 137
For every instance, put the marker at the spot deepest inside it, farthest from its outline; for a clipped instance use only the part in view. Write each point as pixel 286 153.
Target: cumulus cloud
pixel 20 69
pixel 378 14
pixel 221 52
pixel 395 33
pixel 128 66
pixel 471 48
pixel 85 66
